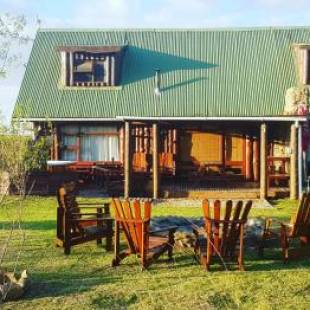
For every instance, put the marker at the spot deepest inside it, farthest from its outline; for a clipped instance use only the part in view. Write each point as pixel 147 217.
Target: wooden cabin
pixel 175 113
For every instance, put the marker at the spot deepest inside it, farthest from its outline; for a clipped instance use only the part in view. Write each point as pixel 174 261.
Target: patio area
pixel 86 278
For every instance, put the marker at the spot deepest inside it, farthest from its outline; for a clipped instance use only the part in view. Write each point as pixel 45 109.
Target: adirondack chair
pixel 140 240
pixel 76 227
pixel 222 234
pixel 299 227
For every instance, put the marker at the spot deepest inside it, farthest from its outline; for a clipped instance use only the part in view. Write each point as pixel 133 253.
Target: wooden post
pixel 293 166
pixel 55 145
pixel 174 138
pixel 146 140
pixel 174 149
pixel 121 144
pixel 248 159
pixel 263 161
pixel 255 160
pixel 155 161
pixel 127 160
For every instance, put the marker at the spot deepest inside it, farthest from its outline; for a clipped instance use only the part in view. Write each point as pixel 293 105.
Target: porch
pixel 195 159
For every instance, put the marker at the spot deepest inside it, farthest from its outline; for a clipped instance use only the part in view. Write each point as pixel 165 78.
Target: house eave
pixel 164 118
pixel 216 118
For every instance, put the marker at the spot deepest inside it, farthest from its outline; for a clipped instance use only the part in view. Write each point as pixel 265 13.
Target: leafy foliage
pixel 37 154
pixel 12 158
pixel 20 155
pixel 11 34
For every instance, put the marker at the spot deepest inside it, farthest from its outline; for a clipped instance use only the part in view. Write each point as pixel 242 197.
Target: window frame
pixel 77 146
pixel 303 63
pixel 112 67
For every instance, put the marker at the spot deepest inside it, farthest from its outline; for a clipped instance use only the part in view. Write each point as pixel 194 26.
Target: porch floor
pixel 236 190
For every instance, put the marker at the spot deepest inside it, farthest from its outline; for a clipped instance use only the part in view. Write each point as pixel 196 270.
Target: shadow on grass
pixel 272 261
pixel 52 285
pixel 113 302
pixel 40 225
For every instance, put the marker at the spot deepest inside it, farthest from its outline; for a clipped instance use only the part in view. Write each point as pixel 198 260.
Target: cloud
pixel 182 13
pixel 283 4
pixel 104 13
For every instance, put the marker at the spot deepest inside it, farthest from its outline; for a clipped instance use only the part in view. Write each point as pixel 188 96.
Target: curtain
pixel 67 153
pixel 93 146
pixel 99 148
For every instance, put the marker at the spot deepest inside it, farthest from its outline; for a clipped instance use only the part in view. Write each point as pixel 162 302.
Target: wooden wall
pixel 202 148
pixel 142 148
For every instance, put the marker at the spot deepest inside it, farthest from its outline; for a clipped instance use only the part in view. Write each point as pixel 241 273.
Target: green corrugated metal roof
pixel 225 73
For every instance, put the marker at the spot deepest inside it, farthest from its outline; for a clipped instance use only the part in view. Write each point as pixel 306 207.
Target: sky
pixel 140 14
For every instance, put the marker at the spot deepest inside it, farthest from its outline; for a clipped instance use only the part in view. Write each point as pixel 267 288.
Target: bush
pixel 37 154
pixel 20 155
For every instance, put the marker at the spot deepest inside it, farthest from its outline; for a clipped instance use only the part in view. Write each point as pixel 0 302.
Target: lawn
pixel 85 279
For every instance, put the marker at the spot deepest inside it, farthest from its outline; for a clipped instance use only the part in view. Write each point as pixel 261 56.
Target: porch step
pixel 225 193
pixel 179 202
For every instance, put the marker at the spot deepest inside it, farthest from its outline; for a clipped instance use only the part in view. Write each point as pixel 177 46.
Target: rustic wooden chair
pixel 75 227
pixel 299 227
pixel 223 235
pixel 140 240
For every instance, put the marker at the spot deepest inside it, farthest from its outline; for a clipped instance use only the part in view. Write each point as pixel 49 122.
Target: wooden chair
pixel 299 227
pixel 223 235
pixel 140 240
pixel 75 227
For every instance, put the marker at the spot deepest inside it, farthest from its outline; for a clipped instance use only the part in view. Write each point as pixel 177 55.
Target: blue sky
pixel 143 13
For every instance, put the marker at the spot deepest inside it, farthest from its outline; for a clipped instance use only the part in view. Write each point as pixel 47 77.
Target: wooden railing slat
pixel 217 217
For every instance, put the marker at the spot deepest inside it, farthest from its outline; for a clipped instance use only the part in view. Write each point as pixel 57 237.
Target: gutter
pixel 73 119
pixel 214 118
pixel 199 118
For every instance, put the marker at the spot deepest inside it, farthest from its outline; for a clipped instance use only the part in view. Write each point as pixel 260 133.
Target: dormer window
pixel 306 66
pixel 303 62
pixel 90 67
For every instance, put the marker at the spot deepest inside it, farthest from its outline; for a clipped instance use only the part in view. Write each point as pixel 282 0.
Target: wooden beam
pixel 155 162
pixel 127 160
pixel 263 161
pixel 91 49
pixel 243 156
pixel 55 144
pixel 255 160
pixel 248 159
pixel 293 165
pixel 121 144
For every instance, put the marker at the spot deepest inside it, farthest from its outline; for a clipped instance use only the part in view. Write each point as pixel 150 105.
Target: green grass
pixel 85 280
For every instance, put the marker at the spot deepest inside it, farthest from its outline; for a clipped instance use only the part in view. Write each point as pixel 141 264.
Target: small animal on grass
pixel 12 287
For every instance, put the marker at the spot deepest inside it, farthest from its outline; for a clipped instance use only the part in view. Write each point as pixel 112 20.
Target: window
pixel 303 61
pixel 91 67
pixel 306 66
pixel 89 143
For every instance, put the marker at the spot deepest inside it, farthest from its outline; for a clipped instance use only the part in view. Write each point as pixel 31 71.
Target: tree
pixel 19 155
pixel 12 35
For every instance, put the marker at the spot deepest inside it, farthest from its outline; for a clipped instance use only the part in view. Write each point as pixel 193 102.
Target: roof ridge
pixel 142 29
